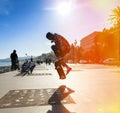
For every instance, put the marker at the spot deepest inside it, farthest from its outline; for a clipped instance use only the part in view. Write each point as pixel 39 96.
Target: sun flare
pixel 64 8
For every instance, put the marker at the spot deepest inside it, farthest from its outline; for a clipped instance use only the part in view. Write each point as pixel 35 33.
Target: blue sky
pixel 24 23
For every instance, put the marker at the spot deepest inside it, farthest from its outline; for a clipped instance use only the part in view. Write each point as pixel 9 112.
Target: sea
pixel 5 63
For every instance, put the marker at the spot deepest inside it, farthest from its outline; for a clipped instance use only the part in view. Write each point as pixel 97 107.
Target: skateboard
pixel 60 70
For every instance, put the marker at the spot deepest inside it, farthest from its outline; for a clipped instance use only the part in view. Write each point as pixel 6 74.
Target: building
pixel 88 47
pixel 88 42
pixel 98 46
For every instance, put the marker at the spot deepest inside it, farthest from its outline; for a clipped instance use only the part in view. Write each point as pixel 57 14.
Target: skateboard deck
pixel 60 70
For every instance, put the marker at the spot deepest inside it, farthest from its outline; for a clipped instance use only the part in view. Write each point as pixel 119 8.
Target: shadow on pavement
pixel 37 97
pixel 56 100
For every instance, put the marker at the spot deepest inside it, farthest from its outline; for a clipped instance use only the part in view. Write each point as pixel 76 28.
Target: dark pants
pixel 13 65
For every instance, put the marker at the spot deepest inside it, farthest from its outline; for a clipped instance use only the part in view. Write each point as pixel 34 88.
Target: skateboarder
pixel 61 48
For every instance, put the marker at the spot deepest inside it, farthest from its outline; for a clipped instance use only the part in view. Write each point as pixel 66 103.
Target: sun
pixel 64 7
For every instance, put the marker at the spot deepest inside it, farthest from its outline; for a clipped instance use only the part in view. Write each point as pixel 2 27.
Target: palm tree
pixel 115 20
pixel 115 17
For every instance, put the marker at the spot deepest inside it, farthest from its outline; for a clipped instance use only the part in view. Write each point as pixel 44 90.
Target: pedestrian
pixel 31 59
pixel 61 47
pixel 14 61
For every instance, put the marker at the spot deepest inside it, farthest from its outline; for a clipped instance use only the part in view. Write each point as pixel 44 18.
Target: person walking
pixel 14 61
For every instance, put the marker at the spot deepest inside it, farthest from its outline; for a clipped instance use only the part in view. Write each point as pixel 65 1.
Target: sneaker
pixel 68 70
pixel 62 77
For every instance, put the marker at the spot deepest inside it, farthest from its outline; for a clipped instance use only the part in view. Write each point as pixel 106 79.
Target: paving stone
pixel 34 97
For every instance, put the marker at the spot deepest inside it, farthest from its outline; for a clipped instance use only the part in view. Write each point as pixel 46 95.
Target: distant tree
pixel 115 17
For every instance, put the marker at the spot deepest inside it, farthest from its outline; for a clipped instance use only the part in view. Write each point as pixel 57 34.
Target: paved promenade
pixel 88 88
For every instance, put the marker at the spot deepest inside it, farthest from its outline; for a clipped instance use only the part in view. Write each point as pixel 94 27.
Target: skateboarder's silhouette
pixel 61 47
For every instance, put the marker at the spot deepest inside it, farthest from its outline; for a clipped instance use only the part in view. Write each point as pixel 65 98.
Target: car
pixel 111 61
pixel 83 61
pixel 70 61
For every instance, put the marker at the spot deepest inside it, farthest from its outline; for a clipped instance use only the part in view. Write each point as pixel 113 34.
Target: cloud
pixel 5 7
